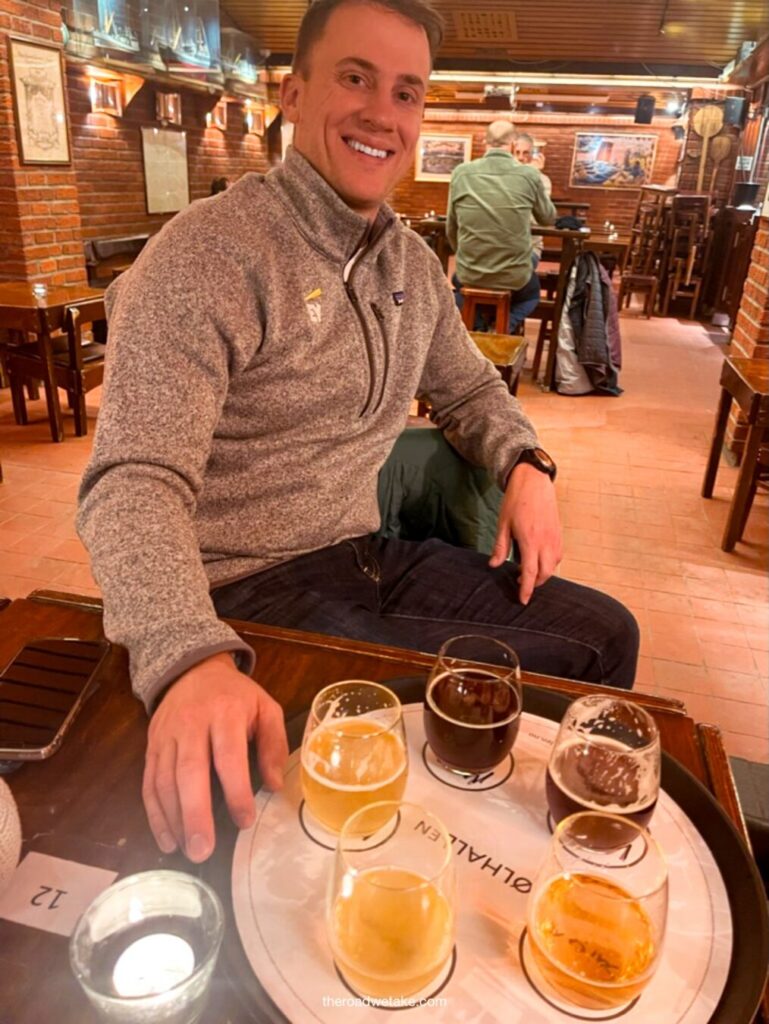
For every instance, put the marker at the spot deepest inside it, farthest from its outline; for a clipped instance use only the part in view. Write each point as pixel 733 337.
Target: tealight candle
pixel 153 964
pixel 145 950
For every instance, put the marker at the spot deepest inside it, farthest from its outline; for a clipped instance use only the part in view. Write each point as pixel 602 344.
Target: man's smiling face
pixel 357 108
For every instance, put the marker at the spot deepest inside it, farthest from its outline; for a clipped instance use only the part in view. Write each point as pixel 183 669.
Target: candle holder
pixel 145 949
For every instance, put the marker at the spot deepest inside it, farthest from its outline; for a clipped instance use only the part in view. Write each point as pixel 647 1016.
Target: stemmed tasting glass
pixel 597 912
pixel 473 704
pixel 354 751
pixel 606 757
pixel 391 901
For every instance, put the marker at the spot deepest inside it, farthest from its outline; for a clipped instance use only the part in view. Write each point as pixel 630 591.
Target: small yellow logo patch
pixel 312 303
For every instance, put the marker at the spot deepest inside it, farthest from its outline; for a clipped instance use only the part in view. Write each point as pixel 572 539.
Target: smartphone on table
pixel 41 691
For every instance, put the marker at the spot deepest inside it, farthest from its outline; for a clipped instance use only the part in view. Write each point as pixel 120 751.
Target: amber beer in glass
pixel 473 704
pixel 353 751
pixel 606 757
pixel 597 912
pixel 391 902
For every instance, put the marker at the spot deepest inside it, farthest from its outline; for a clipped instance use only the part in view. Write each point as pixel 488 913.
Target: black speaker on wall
pixel 644 110
pixel 736 111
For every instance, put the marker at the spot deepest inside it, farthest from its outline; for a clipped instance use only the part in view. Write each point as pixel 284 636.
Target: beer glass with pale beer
pixel 353 751
pixel 473 704
pixel 391 902
pixel 606 757
pixel 597 912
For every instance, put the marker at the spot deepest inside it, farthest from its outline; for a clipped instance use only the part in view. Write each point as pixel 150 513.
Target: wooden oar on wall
pixel 719 150
pixel 707 122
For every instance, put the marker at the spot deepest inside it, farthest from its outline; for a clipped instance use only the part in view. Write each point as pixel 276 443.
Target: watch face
pixel 539 458
pixel 544 458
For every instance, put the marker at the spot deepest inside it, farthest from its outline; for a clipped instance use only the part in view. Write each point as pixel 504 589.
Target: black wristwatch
pixel 538 458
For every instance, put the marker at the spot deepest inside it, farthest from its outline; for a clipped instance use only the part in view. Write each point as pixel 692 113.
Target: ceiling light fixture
pixel 603 81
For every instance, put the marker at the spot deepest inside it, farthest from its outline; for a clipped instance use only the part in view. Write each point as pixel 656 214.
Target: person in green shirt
pixel 491 202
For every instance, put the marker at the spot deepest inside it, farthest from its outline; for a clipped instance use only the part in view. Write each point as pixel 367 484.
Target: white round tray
pixel 499 826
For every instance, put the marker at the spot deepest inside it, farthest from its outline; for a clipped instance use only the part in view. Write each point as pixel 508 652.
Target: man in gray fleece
pixel 264 350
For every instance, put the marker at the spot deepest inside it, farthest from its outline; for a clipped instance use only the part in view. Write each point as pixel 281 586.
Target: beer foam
pixel 644 781
pixel 312 760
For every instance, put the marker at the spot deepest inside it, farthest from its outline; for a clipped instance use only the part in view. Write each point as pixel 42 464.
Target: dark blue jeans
pixel 523 302
pixel 418 594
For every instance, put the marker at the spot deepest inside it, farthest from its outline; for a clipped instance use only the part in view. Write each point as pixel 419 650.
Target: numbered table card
pixel 51 893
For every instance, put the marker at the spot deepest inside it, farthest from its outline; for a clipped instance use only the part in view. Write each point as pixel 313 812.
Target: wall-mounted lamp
pixel 168 107
pixel 217 118
pixel 106 96
pixel 253 121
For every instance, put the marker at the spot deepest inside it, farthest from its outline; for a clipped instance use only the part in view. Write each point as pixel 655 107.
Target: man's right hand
pixel 213 710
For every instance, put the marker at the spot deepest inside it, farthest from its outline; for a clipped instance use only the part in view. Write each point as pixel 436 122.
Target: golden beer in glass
pixel 353 752
pixel 598 910
pixel 391 903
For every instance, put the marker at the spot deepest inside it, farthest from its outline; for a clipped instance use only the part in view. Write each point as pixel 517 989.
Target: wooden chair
pixel 475 297
pixel 545 313
pixel 746 381
pixel 78 364
pixel 644 283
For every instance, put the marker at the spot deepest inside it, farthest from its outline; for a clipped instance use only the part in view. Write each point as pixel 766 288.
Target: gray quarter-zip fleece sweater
pixel 263 352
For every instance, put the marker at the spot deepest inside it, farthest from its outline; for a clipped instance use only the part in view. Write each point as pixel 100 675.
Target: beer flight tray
pixel 282 968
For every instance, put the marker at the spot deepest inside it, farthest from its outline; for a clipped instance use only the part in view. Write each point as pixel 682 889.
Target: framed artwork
pixel 604 160
pixel 39 104
pixel 165 170
pixel 438 155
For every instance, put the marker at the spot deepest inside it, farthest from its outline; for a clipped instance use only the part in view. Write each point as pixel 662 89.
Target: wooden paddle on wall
pixel 719 150
pixel 707 122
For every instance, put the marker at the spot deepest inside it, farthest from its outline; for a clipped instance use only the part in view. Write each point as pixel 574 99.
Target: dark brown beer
pixel 471 719
pixel 599 778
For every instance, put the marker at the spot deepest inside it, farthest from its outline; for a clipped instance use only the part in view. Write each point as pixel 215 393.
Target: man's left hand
pixel 529 513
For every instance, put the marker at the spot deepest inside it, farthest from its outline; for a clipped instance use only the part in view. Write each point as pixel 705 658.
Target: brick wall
pixel 108 156
pixel 415 198
pixel 47 212
pixel 750 337
pixel 40 229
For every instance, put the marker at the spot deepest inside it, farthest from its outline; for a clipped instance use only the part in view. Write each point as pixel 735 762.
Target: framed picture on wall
pixel 165 170
pixel 438 155
pixel 612 160
pixel 39 104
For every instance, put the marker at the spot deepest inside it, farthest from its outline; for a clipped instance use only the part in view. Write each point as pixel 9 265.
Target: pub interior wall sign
pixel 37 77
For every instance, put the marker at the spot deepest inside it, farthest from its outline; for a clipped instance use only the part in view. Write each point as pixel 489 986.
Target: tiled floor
pixel 630 470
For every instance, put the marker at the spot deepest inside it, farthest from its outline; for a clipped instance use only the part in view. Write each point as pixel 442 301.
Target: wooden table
pixel 84 803
pixel 602 243
pixel 747 382
pixel 22 310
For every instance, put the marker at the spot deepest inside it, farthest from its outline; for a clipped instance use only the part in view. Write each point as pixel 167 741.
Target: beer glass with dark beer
pixel 473 704
pixel 606 757
pixel 597 912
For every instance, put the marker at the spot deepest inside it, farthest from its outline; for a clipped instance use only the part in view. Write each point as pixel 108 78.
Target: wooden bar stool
pixel 544 312
pixel 486 297
pixel 506 351
pixel 745 381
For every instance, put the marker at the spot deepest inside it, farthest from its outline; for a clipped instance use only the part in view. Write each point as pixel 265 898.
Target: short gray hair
pixel 500 133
